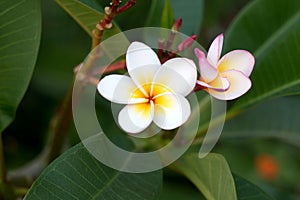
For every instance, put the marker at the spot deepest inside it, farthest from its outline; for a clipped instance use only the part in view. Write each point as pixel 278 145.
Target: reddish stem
pixel 198 87
pixel 126 6
pixel 160 51
pixel 105 23
pixel 175 28
pixel 113 67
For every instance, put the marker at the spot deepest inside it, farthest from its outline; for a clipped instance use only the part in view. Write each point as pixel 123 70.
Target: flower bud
pixel 186 43
pixel 177 24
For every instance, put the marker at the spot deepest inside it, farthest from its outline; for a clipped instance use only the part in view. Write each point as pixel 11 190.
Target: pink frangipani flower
pixel 226 78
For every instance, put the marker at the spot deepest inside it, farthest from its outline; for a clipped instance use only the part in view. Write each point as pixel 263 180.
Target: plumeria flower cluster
pixel 155 92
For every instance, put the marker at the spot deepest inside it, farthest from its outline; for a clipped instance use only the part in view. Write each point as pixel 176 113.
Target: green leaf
pixel 175 188
pixel 96 5
pixel 191 12
pixel 155 13
pixel 20 30
pixel 211 175
pixel 270 30
pixel 134 17
pixel 167 18
pixel 277 118
pixel 78 175
pixel 248 191
pixel 86 17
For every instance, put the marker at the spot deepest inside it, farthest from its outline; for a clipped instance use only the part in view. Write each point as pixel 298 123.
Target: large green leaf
pixel 167 18
pixel 20 30
pixel 211 175
pixel 248 191
pixel 86 17
pixel 269 29
pixel 155 13
pixel 277 118
pixel 78 175
pixel 191 12
pixel 178 188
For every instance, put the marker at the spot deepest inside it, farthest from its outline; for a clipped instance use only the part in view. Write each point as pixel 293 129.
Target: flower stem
pixel 107 69
pixel 126 6
pixel 59 127
pixel 61 121
pixel 105 23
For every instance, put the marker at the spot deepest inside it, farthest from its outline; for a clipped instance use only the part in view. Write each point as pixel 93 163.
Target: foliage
pixel 86 178
pixel 20 36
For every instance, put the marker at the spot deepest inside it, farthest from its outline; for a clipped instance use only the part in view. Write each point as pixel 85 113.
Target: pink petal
pixel 220 84
pixel 207 71
pixel 239 85
pixel 239 60
pixel 215 50
pixel 203 84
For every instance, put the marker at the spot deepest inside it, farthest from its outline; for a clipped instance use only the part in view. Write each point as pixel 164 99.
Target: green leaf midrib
pixel 65 7
pixel 111 181
pixel 268 94
pixel 274 39
pixel 105 183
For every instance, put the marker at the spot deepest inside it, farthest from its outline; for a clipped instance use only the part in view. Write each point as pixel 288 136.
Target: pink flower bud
pixel 186 43
pixel 177 24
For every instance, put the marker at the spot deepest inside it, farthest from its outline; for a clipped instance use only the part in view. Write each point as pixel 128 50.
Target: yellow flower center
pixel 154 94
pixel 223 66
pixel 149 91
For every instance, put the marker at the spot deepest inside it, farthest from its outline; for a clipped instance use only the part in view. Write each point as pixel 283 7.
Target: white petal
pixel 239 60
pixel 136 117
pixel 177 74
pixel 215 50
pixel 119 89
pixel 207 71
pixel 171 111
pixel 144 76
pixel 138 54
pixel 239 85
pixel 220 84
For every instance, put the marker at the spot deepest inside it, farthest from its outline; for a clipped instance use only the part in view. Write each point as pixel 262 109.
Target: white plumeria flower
pixel 226 78
pixel 152 92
